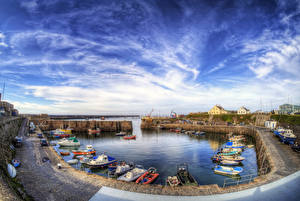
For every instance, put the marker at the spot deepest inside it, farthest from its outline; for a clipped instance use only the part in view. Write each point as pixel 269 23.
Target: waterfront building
pixel 289 108
pixel 243 110
pixel 217 109
pixel 270 124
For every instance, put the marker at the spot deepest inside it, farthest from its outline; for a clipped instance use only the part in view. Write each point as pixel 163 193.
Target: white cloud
pixel 2 38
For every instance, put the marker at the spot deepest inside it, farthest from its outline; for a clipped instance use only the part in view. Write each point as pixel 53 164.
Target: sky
pixel 127 57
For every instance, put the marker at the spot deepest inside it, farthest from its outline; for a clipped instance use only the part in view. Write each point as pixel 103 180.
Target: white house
pixel 243 110
pixel 270 124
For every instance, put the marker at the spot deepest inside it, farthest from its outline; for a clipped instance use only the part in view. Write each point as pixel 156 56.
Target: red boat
pixel 65 153
pixel 148 177
pixel 61 135
pixel 88 151
pixel 94 131
pixel 131 137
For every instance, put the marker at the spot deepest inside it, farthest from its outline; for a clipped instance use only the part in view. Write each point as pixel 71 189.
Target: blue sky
pixel 91 57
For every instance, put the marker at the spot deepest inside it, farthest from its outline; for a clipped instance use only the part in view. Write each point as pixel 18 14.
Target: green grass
pixel 289 119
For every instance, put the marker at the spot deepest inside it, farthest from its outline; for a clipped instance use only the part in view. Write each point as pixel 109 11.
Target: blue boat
pixel 101 161
pixel 287 136
pixel 228 170
pixel 278 131
pixel 234 145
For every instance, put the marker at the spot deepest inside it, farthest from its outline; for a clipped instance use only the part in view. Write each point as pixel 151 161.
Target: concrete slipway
pixel 287 188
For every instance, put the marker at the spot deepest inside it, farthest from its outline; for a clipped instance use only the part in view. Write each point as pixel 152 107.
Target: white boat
pixel 229 162
pixel 102 160
pixel 133 174
pixel 123 168
pixel 227 170
pixel 68 142
pixel 122 133
pixel 11 170
pixel 72 161
pixel 229 149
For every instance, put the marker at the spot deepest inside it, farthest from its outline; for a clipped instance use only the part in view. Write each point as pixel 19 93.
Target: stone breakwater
pixel 83 126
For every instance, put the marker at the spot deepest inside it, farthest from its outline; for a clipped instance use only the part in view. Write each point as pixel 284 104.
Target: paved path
pixel 286 188
pixel 44 181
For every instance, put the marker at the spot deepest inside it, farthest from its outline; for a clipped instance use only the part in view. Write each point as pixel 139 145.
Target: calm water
pixel 164 150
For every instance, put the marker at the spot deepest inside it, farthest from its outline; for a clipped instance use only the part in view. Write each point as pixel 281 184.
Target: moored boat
pixel 88 151
pixel 64 153
pixel 148 177
pixel 69 142
pixel 101 161
pixel 173 181
pixel 129 137
pixel 229 162
pixel 184 176
pixel 60 134
pixel 122 133
pixel 72 161
pixel 227 170
pixel 133 174
pixel 236 158
pixel 94 131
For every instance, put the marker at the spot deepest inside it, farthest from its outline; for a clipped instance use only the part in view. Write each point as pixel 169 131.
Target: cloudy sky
pixel 96 57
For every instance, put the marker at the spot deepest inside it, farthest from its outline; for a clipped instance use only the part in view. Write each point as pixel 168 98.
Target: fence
pixel 244 179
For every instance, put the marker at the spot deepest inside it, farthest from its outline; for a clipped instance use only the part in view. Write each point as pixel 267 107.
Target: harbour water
pixel 164 150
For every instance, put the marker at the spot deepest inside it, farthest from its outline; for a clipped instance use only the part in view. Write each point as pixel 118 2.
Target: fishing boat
pixel 278 131
pixel 129 137
pixel 60 134
pixel 236 158
pixel 121 133
pixel 198 133
pixel 66 153
pixel 72 161
pixel 173 181
pixel 184 176
pixel 88 151
pixel 94 131
pixel 234 145
pixel 229 162
pixel 16 163
pixel 287 136
pixel 68 142
pixel 229 149
pixel 133 174
pixel 101 161
pixel 66 131
pixel 227 170
pixel 148 177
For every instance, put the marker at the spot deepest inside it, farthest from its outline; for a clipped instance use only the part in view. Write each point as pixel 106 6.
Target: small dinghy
pixel 133 174
pixel 173 181
pixel 234 145
pixel 227 170
pixel 228 162
pixel 70 142
pixel 148 177
pixel 94 131
pixel 198 133
pixel 72 161
pixel 121 133
pixel 184 176
pixel 64 153
pixel 129 137
pixel 235 158
pixel 101 161
pixel 16 163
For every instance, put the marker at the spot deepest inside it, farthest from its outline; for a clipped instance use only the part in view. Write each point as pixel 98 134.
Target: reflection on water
pixel 164 150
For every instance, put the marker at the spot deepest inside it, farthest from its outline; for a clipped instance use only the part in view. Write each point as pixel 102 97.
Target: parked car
pixel 44 142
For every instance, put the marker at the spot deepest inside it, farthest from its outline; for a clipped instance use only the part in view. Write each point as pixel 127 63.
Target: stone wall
pixel 83 126
pixel 264 161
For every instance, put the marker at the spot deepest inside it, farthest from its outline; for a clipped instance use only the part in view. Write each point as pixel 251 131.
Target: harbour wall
pixel 10 188
pixel 264 160
pixel 83 126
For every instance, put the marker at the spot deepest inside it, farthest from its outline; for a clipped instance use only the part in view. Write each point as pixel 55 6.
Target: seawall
pixel 83 126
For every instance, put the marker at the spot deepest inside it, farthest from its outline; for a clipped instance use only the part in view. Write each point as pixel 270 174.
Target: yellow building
pixel 217 109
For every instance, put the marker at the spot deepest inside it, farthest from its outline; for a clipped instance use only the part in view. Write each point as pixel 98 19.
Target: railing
pixel 244 179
